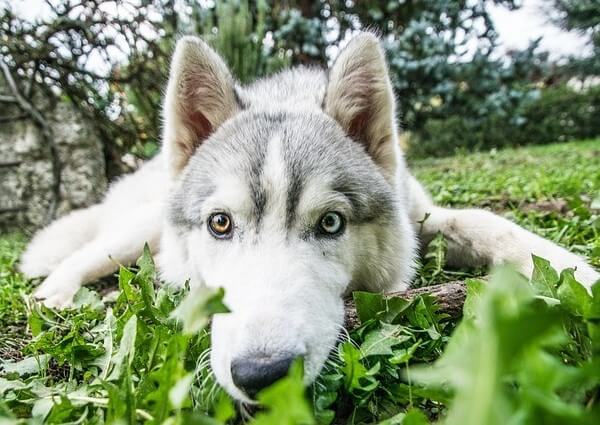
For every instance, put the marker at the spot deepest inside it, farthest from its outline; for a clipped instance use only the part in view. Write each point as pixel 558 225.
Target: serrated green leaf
pixel 573 296
pixel 285 401
pixel 28 366
pixel 475 288
pixel 415 417
pixel 180 391
pixel 224 410
pixel 368 305
pixel 403 355
pixel 544 278
pixel 104 362
pixel 394 308
pixel 121 362
pixel 10 385
pixel 147 269
pixel 126 276
pixel 379 342
pixel 198 306
pixel 87 297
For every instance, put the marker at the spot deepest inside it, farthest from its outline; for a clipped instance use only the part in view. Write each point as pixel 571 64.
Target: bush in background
pixel 562 114
pixel 555 114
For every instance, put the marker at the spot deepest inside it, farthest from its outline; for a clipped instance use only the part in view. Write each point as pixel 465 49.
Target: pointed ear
pixel 360 98
pixel 200 97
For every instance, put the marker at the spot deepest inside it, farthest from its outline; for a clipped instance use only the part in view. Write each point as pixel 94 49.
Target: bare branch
pixel 7 99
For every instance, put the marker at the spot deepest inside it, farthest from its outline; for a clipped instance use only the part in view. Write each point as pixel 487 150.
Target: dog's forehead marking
pixel 275 180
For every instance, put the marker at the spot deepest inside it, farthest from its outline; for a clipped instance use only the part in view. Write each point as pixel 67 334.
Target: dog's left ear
pixel 360 98
pixel 200 97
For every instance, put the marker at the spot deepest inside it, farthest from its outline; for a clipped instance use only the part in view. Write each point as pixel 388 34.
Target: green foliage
pixel 13 315
pixel 239 38
pixel 581 16
pixel 285 401
pixel 561 114
pixel 557 114
pixel 510 361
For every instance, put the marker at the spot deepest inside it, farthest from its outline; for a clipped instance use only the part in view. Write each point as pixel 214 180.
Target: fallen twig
pixel 450 297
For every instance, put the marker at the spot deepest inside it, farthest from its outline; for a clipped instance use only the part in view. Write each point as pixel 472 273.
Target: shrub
pixel 558 114
pixel 562 114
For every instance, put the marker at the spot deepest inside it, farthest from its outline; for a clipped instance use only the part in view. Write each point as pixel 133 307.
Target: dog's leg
pixel 53 244
pixel 477 237
pixel 120 243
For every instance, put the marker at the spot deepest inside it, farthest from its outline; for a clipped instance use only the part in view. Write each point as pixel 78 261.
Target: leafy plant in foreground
pixel 523 353
pixel 131 362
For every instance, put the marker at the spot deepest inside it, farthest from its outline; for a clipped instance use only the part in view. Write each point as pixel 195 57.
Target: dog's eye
pixel 332 223
pixel 220 225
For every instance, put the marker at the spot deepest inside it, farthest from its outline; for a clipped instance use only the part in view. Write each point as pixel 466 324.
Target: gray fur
pixel 312 144
pixel 295 88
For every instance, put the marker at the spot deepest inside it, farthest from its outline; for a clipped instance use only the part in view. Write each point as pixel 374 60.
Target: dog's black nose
pixel 252 374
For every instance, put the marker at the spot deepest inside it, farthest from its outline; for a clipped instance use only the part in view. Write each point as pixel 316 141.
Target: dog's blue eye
pixel 220 225
pixel 332 223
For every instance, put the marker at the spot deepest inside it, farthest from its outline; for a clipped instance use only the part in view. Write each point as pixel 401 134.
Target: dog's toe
pixel 55 293
pixel 58 301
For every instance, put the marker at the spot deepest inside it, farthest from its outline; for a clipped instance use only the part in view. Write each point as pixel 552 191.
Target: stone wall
pixel 45 177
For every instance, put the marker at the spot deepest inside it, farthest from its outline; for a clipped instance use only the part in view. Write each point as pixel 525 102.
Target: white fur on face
pixel 285 290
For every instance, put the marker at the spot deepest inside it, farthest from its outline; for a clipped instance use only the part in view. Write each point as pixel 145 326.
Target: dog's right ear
pixel 359 97
pixel 200 97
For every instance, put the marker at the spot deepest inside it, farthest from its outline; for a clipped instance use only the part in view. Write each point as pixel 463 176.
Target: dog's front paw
pixel 56 292
pixel 33 267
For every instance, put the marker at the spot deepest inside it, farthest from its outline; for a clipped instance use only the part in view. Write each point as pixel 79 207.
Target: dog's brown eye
pixel 332 223
pixel 220 225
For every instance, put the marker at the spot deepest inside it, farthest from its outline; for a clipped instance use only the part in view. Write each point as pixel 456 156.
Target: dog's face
pixel 282 207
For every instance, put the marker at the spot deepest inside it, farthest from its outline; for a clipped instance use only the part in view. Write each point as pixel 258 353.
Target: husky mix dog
pixel 289 193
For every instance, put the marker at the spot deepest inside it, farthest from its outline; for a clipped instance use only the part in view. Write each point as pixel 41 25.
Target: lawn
pixel 523 352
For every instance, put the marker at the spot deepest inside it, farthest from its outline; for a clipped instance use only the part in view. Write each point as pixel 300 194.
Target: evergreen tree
pixel 583 17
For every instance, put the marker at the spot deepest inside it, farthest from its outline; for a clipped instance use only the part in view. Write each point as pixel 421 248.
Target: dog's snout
pixel 252 374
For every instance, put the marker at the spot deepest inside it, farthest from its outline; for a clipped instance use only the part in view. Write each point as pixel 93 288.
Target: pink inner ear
pixel 357 127
pixel 200 126
pixel 363 98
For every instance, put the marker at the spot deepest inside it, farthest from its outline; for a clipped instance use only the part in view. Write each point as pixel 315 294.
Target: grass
pixel 547 189
pixel 523 353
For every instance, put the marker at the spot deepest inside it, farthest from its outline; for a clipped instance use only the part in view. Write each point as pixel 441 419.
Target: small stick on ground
pixel 450 297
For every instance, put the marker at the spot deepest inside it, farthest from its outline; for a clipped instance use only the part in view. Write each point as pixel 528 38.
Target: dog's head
pixel 286 194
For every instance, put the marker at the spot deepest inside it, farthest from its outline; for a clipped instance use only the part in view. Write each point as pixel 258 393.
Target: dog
pixel 289 193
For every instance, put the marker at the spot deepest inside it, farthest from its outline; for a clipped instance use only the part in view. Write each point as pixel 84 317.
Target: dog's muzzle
pixel 253 373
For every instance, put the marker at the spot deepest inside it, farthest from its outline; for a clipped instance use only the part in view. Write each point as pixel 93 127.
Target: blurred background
pixel 82 80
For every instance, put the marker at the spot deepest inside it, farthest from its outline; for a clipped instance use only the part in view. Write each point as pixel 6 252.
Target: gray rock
pixel 27 184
